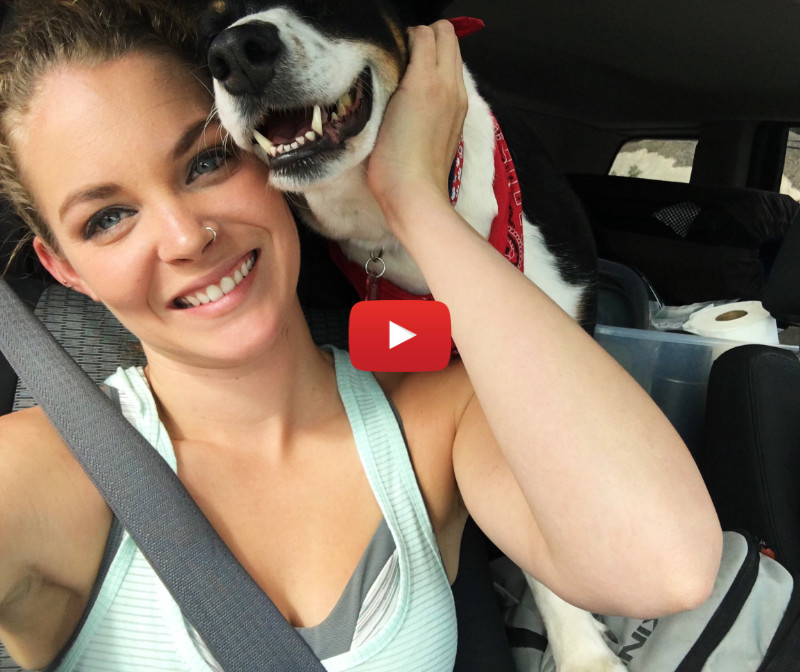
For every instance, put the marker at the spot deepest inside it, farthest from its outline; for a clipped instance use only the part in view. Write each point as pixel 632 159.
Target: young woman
pixel 137 200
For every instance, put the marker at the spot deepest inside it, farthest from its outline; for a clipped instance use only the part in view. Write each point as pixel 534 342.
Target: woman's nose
pixel 184 234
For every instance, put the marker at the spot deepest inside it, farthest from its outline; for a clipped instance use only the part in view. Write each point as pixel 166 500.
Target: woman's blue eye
pixel 105 220
pixel 208 161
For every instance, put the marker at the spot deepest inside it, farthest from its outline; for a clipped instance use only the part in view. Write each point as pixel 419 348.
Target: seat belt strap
pixel 239 624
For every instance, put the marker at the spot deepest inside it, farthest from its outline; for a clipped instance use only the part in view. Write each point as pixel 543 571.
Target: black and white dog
pixel 303 84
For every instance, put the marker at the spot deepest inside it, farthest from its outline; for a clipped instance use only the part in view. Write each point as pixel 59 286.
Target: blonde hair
pixel 40 35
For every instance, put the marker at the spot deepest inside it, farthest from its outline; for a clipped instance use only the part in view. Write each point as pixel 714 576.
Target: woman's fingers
pixel 422 125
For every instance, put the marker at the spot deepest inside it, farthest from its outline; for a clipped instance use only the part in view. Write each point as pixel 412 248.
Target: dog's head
pixel 304 83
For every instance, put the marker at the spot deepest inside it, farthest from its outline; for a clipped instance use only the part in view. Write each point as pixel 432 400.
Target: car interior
pixel 615 91
pixel 591 79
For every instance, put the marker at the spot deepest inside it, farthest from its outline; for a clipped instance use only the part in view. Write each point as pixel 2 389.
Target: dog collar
pixel 505 234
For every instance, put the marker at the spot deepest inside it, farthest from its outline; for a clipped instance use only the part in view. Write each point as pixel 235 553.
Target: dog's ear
pixel 419 12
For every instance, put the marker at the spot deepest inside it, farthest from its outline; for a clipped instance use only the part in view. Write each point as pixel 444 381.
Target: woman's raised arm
pixel 619 507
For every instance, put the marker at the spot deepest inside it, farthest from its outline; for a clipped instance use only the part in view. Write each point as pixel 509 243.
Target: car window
pixel 790 180
pixel 656 159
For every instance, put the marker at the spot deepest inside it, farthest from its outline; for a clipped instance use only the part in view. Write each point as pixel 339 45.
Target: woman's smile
pixel 213 293
pixel 132 211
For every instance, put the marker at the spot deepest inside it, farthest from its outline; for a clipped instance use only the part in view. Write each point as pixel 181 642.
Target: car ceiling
pixel 636 63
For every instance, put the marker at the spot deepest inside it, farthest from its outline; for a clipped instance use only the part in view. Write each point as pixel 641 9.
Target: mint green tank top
pixel 134 624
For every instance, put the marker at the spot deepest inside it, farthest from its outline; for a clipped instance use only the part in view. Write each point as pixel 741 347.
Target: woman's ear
pixel 60 268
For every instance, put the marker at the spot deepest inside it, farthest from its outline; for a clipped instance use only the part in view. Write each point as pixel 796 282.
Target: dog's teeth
pixel 273 152
pixel 316 121
pixel 263 141
pixel 344 103
pixel 334 116
pixel 311 136
pixel 294 145
pixel 300 141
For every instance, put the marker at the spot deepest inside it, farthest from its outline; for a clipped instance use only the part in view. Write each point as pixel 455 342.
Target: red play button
pixel 400 335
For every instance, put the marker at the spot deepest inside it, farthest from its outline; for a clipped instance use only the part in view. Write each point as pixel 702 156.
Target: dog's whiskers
pixel 296 202
pixel 203 81
pixel 229 147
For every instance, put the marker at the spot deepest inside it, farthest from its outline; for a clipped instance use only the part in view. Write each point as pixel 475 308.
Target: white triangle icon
pixel 398 335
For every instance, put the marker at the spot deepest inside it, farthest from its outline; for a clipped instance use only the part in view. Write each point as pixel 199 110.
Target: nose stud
pixel 213 234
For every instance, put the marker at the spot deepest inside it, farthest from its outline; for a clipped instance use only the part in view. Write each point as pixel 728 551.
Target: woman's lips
pixel 215 292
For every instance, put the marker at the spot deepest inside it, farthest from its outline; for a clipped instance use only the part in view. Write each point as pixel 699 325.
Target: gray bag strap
pixel 239 624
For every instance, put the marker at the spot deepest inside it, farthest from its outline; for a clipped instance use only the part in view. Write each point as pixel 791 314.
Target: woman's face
pixel 128 174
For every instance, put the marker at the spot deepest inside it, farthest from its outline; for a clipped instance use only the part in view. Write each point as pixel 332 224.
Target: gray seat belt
pixel 239 624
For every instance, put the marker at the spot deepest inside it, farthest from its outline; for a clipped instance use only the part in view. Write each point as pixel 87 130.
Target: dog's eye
pixel 105 221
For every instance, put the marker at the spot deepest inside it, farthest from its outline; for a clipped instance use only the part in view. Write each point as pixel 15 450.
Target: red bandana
pixel 505 234
pixel 466 25
pixel 506 230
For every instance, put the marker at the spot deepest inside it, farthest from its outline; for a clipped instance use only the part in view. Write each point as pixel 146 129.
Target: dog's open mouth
pixel 287 136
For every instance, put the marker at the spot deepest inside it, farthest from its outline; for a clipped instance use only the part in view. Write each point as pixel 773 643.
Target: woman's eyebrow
pixel 189 138
pixel 101 191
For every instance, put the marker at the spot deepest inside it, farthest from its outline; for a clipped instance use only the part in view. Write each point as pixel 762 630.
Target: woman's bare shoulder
pixel 31 454
pixel 38 469
pixel 445 390
pixel 53 528
pixel 29 447
pixel 46 500
pixel 24 424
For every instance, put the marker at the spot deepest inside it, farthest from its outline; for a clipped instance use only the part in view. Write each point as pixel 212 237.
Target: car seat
pixel 693 242
pixel 625 298
pixel 751 456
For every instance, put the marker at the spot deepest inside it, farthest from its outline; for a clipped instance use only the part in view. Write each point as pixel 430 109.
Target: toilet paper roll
pixel 744 321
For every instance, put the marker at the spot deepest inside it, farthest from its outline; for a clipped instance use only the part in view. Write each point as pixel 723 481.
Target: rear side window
pixel 790 180
pixel 656 159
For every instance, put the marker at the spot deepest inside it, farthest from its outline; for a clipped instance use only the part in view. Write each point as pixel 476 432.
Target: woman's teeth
pixel 216 292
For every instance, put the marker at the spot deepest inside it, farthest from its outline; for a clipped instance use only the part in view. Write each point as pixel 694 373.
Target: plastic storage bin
pixel 672 368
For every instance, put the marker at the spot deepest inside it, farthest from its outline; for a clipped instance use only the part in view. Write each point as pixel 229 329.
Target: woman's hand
pixel 421 128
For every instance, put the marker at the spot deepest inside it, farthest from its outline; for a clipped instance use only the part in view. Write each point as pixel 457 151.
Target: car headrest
pixel 782 291
pixel 693 242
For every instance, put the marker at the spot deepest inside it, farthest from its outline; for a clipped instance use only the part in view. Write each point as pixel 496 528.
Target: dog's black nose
pixel 242 58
